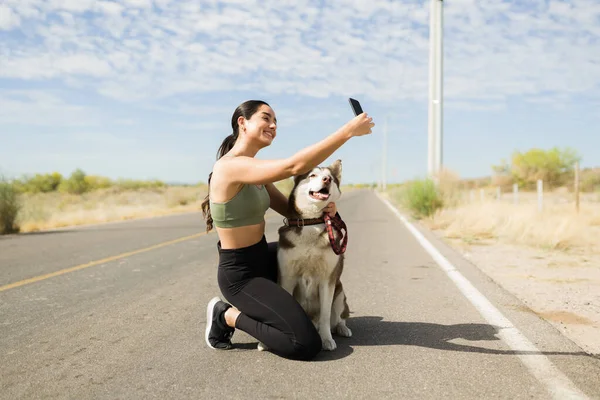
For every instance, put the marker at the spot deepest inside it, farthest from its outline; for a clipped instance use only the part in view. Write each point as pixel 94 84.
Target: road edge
pixel 557 384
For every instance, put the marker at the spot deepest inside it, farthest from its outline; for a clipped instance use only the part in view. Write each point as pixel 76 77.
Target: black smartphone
pixel 355 106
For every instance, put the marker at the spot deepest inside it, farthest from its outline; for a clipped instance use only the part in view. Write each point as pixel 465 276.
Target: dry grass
pixel 473 218
pixel 43 211
pixel 558 226
pixel 54 210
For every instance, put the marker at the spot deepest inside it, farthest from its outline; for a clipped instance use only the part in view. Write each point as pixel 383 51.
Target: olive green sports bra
pixel 247 207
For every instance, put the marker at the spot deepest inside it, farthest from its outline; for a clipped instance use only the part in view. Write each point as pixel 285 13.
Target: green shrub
pixel 39 183
pixel 132 184
pixel 76 184
pixel 79 183
pixel 554 166
pixel 97 182
pixel 422 197
pixel 9 207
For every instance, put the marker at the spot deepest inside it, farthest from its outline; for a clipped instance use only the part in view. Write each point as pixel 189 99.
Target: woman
pixel 241 190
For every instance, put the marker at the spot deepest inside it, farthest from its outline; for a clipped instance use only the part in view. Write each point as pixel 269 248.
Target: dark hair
pixel 247 109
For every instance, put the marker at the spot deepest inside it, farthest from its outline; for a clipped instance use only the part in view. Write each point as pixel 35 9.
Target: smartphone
pixel 355 106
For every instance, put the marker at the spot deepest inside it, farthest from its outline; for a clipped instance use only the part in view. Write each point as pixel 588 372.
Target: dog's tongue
pixel 321 195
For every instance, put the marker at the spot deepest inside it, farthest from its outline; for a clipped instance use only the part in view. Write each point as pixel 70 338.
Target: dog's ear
pixel 336 170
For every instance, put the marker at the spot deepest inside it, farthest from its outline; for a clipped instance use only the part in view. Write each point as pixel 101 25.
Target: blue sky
pixel 146 88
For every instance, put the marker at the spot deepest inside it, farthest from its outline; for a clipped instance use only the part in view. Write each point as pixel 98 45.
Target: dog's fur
pixel 308 267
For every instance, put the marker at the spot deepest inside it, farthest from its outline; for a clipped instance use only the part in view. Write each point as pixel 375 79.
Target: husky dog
pixel 309 268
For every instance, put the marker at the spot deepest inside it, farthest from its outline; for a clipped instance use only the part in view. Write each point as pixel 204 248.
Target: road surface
pixel 117 311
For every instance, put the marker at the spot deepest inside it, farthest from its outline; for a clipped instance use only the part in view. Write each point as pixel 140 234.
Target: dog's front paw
pixel 262 347
pixel 343 330
pixel 329 344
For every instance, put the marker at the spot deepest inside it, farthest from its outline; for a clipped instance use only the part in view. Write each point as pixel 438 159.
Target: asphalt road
pixel 78 320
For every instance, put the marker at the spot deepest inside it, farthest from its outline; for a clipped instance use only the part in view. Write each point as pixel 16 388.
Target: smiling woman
pixel 241 189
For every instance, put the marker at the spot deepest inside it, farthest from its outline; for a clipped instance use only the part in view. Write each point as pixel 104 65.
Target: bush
pixel 554 167
pixel 39 183
pixel 76 184
pixel 422 197
pixel 97 182
pixel 9 207
pixel 590 180
pixel 131 184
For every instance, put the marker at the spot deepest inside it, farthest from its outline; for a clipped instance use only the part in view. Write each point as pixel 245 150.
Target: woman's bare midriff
pixel 235 238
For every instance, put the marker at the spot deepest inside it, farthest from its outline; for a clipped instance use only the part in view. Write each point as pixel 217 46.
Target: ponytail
pixel 246 110
pixel 223 149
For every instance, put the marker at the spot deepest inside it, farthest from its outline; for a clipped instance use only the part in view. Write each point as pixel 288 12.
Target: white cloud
pixel 139 3
pixel 8 18
pixel 71 5
pixel 474 105
pixel 90 65
pixel 110 7
pixel 140 49
pixel 25 8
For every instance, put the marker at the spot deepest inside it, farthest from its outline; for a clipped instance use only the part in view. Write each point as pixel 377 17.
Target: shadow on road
pixel 373 331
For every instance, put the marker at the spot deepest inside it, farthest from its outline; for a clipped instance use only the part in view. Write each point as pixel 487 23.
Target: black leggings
pixel 248 280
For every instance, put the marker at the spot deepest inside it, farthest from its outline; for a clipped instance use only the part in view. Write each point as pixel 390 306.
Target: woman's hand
pixel 330 209
pixel 361 125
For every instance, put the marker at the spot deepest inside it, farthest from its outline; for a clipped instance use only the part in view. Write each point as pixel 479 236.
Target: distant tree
pixel 554 166
pixel 39 183
pixel 76 184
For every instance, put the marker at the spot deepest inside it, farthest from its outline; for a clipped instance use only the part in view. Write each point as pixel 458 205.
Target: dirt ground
pixel 561 287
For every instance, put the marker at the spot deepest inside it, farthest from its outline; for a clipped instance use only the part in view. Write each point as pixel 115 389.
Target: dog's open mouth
pixel 322 194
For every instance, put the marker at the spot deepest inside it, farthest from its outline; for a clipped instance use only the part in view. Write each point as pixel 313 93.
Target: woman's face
pixel 262 126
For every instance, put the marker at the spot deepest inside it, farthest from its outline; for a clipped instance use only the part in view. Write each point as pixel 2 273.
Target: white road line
pixel 559 386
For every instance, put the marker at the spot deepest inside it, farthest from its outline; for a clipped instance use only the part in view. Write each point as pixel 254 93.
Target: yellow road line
pixel 97 262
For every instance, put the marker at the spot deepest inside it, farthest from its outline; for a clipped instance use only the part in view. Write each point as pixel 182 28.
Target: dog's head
pixel 315 189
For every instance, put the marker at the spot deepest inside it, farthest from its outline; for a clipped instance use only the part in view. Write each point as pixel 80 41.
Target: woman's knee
pixel 307 353
pixel 306 348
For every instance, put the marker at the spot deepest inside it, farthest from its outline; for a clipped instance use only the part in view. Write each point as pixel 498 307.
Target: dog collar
pixel 331 223
pixel 301 222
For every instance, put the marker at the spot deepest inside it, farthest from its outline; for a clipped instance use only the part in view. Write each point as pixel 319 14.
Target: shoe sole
pixel 209 319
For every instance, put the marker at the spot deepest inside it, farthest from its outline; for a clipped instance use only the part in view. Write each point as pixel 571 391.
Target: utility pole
pixel 436 97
